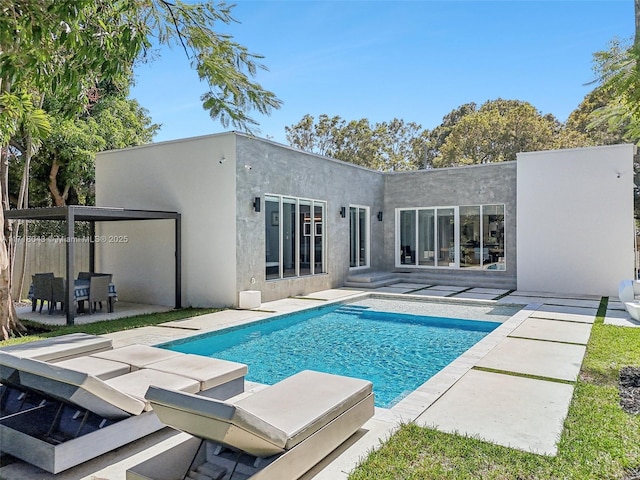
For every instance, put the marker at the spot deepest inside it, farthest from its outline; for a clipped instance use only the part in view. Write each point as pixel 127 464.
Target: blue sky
pixel 414 60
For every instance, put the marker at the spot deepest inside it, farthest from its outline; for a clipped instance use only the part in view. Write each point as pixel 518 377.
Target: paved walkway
pixel 512 388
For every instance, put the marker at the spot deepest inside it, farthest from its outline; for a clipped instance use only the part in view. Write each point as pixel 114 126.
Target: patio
pixel 547 322
pixel 121 310
pixel 81 213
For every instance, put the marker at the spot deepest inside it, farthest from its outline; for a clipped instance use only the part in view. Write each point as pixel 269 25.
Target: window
pixel 294 238
pixel 465 237
pixel 358 236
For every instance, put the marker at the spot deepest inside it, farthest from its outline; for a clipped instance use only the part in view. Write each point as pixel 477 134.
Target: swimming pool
pixel 393 344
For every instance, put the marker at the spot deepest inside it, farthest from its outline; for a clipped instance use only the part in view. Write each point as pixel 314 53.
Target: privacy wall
pixel 575 229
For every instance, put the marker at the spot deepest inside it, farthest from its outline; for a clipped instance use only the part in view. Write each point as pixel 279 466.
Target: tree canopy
pixel 62 54
pixel 494 132
pixel 497 131
pixel 387 146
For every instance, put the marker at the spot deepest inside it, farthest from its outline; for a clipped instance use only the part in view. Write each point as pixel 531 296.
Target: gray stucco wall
pixel 280 170
pixel 473 185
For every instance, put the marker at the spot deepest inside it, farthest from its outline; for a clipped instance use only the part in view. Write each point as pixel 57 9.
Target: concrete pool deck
pixel 483 393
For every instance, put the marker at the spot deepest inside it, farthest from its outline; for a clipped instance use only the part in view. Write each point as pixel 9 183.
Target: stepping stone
pixel 561 361
pixel 516 412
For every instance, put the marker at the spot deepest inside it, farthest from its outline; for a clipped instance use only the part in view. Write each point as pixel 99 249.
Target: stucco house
pixel 261 216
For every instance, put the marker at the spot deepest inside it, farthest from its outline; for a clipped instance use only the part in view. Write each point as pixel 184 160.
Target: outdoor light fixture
pixel 343 212
pixel 256 204
pixel 379 216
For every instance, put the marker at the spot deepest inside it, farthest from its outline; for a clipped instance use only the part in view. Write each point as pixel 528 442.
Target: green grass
pixel 599 441
pixel 107 326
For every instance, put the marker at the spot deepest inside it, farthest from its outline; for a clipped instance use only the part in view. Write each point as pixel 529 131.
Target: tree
pixel 601 133
pixel 500 129
pixel 618 75
pixel 619 81
pixel 68 47
pixel 385 146
pixel 64 168
pixel 437 136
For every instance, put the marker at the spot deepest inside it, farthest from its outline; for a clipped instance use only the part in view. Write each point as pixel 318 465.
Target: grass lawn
pixel 600 440
pixel 38 331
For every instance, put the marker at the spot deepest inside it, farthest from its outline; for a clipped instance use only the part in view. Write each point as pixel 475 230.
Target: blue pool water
pixel 398 352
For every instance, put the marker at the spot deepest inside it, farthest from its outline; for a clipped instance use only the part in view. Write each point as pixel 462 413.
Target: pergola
pixel 80 213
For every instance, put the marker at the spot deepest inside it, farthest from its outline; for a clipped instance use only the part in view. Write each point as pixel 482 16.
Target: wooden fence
pixel 47 255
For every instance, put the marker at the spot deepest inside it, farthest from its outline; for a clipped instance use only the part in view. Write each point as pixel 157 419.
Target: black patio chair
pixel 41 289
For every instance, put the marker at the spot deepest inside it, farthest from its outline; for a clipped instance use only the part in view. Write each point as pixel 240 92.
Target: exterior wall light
pixel 256 204
pixel 343 212
pixel 379 216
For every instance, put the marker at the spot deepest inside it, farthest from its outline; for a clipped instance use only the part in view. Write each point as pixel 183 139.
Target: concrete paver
pixel 516 412
pixel 558 296
pixel 217 320
pixel 393 289
pixel 430 292
pixel 553 330
pixel 534 357
pixel 448 287
pixel 570 314
pixel 411 286
pixel 475 296
pixel 494 291
pixel 333 294
pixel 587 304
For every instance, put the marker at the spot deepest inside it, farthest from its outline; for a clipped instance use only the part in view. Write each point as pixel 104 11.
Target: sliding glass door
pixel 470 236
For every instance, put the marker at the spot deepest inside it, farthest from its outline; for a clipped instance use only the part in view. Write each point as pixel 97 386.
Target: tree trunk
pixel 9 323
pixel 23 202
pixel 58 197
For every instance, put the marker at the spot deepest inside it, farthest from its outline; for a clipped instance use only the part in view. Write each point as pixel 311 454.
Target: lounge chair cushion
pixel 136 383
pixel 98 367
pixel 61 348
pixel 270 421
pixel 210 372
pixel 68 385
pixel 138 356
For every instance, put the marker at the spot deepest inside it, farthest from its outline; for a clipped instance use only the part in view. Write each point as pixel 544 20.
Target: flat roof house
pixel 257 215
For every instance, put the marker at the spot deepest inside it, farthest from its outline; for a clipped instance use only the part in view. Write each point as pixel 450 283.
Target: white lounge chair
pixel 55 349
pixel 629 295
pixel 57 415
pixel 277 433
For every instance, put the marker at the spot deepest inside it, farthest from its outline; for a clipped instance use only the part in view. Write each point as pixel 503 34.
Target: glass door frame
pixel 358 233
pixel 416 260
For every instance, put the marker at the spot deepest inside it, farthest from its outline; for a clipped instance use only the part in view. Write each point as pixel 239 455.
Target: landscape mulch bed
pixel 630 389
